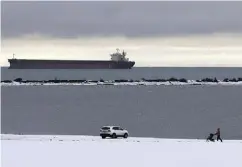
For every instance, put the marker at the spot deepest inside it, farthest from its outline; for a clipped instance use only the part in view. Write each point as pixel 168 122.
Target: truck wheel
pixel 103 137
pixel 114 136
pixel 125 135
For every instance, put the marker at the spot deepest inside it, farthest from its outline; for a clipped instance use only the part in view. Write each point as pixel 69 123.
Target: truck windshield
pixel 105 128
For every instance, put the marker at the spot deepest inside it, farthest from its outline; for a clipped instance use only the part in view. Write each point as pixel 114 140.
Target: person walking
pixel 218 135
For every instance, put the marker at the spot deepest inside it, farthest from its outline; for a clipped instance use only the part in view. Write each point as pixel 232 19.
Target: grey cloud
pixel 70 19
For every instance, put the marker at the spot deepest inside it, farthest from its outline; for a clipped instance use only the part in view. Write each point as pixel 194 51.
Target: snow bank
pixel 92 151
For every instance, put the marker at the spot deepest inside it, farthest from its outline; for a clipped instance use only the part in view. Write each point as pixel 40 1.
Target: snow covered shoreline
pixel 189 82
pixel 69 138
pixel 92 151
pixel 143 81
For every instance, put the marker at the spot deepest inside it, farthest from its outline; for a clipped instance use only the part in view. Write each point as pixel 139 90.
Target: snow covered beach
pixel 92 151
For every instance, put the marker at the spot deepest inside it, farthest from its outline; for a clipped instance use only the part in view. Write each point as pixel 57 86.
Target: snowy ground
pixel 92 151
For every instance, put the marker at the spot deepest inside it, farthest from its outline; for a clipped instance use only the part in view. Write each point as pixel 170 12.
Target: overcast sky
pixel 70 19
pixel 169 33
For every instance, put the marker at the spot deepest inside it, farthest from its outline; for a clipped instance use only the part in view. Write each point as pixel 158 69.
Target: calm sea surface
pixel 135 73
pixel 146 111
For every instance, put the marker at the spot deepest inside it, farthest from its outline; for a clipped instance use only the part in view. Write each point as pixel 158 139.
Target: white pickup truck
pixel 113 132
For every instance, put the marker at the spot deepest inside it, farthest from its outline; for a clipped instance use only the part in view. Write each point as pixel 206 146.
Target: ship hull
pixel 68 64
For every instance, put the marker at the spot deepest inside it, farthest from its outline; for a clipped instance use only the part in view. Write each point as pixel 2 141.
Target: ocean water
pixel 146 111
pixel 135 73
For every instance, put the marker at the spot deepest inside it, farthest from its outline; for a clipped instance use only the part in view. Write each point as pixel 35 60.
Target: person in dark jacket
pixel 218 135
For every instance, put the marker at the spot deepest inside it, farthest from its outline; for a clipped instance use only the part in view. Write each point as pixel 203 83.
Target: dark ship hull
pixel 68 64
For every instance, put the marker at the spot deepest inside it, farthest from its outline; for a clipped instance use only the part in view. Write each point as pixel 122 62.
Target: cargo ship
pixel 118 61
